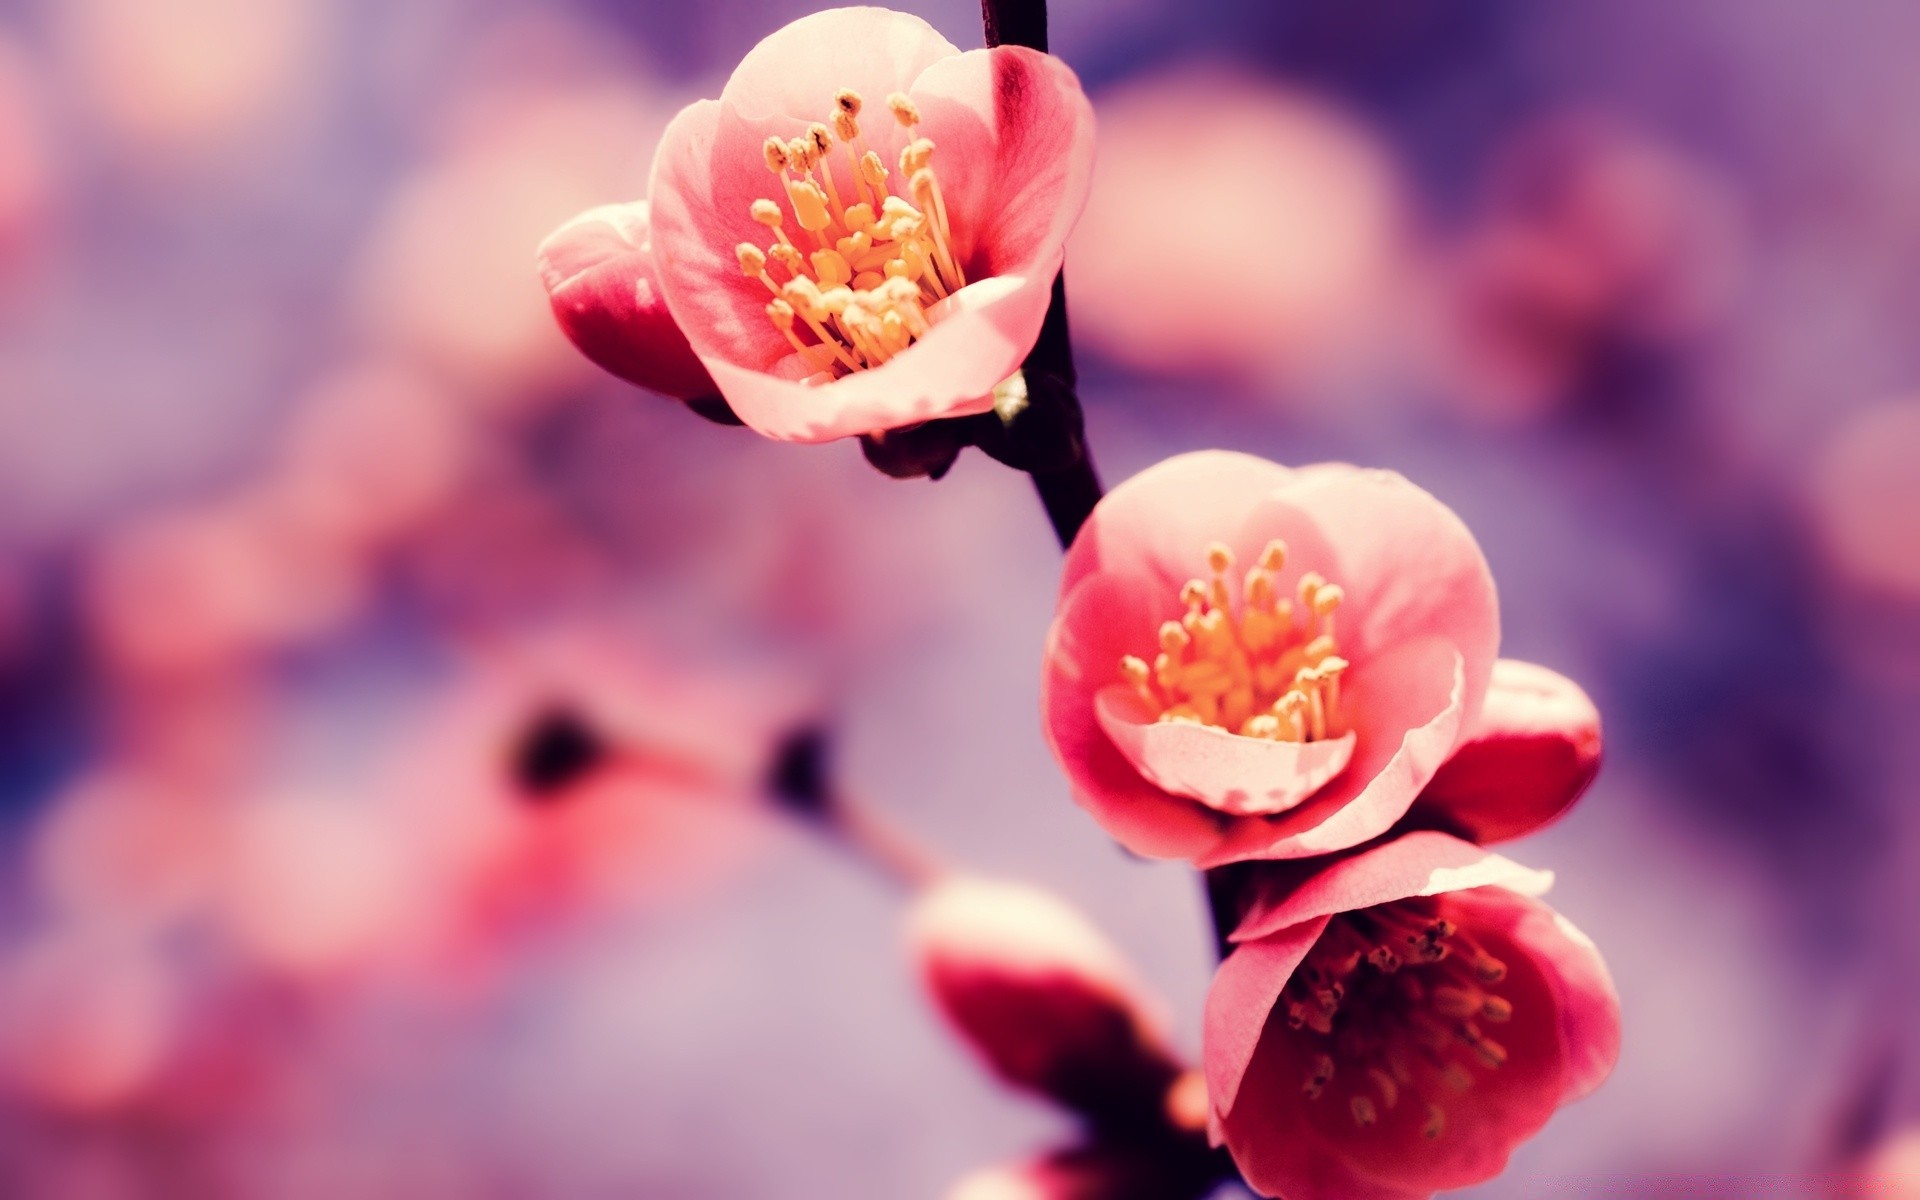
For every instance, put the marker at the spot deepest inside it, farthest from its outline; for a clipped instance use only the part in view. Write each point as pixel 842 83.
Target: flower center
pixel 1393 999
pixel 1259 673
pixel 852 283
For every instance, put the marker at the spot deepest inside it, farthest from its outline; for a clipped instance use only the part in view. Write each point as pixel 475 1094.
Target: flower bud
pixel 600 274
pixel 1042 997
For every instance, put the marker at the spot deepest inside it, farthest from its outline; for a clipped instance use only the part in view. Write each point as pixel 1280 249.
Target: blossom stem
pixel 801 783
pixel 1070 490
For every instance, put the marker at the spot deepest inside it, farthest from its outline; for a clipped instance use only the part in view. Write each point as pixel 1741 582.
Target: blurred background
pixel 319 548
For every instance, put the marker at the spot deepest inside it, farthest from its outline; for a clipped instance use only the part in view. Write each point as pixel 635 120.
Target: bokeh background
pixel 308 515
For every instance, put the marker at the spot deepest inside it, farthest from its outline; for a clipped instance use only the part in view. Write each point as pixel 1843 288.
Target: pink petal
pixel 1095 627
pixel 599 273
pixel 794 71
pixel 1415 864
pixel 987 330
pixel 1535 749
pixel 1014 137
pixel 1410 568
pixel 1159 523
pixel 1239 776
pixel 1241 998
pixel 1405 705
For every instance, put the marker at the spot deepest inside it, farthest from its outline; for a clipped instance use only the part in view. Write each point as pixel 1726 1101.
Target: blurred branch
pixel 801 781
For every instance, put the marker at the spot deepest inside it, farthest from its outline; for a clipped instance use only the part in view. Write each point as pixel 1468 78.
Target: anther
pixel 776 152
pixel 1273 556
pixel 1436 1122
pixel 1364 1114
pixel 847 101
pixel 767 213
pixel 904 109
pixel 1318 1077
pixel 1489 969
pixel 1219 558
pixel 753 260
pixel 822 139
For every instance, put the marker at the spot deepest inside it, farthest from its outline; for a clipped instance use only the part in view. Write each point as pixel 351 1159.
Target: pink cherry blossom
pixel 1534 749
pixel 599 272
pixel 1044 998
pixel 1207 720
pixel 1395 1022
pixel 972 168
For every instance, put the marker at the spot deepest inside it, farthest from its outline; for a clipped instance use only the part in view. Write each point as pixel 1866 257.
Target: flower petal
pixel 983 334
pixel 1241 998
pixel 599 273
pixel 1406 706
pixel 1160 522
pixel 1409 567
pixel 1013 133
pixel 1415 864
pixel 1094 628
pixel 794 71
pixel 1239 776
pixel 1533 752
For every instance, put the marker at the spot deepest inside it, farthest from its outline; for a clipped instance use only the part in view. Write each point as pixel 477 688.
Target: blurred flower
pixel 188 76
pixel 903 300
pixel 86 1019
pixel 123 848
pixel 1593 235
pixel 205 588
pixel 1395 1022
pixel 1192 730
pixel 1891 1171
pixel 27 177
pixel 1043 997
pixel 443 277
pixel 1530 755
pixel 314 884
pixel 1102 1171
pixel 1317 209
pixel 600 273
pixel 576 773
pixel 1866 499
pixel 375 449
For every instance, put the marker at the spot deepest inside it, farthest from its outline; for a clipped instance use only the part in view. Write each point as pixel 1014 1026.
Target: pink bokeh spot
pixel 1014 138
pixel 1420 625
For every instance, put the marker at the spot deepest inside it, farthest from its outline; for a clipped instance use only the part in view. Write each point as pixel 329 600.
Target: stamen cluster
pixel 855 280
pixel 1259 672
pixel 1394 998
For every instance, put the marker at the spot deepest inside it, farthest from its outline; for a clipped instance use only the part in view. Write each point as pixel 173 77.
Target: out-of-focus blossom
pixel 87 1020
pixel 600 274
pixel 1293 710
pixel 1396 1022
pixel 190 75
pixel 204 588
pixel 375 449
pixel 1239 228
pixel 314 884
pixel 1532 752
pixel 576 772
pixel 26 166
pixel 1891 1171
pixel 1102 1171
pixel 1866 500
pixel 123 849
pixel 1593 235
pixel 908 281
pixel 1042 996
pixel 444 276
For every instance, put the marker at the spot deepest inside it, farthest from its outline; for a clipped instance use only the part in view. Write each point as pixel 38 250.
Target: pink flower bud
pixel 1041 995
pixel 1534 751
pixel 600 274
